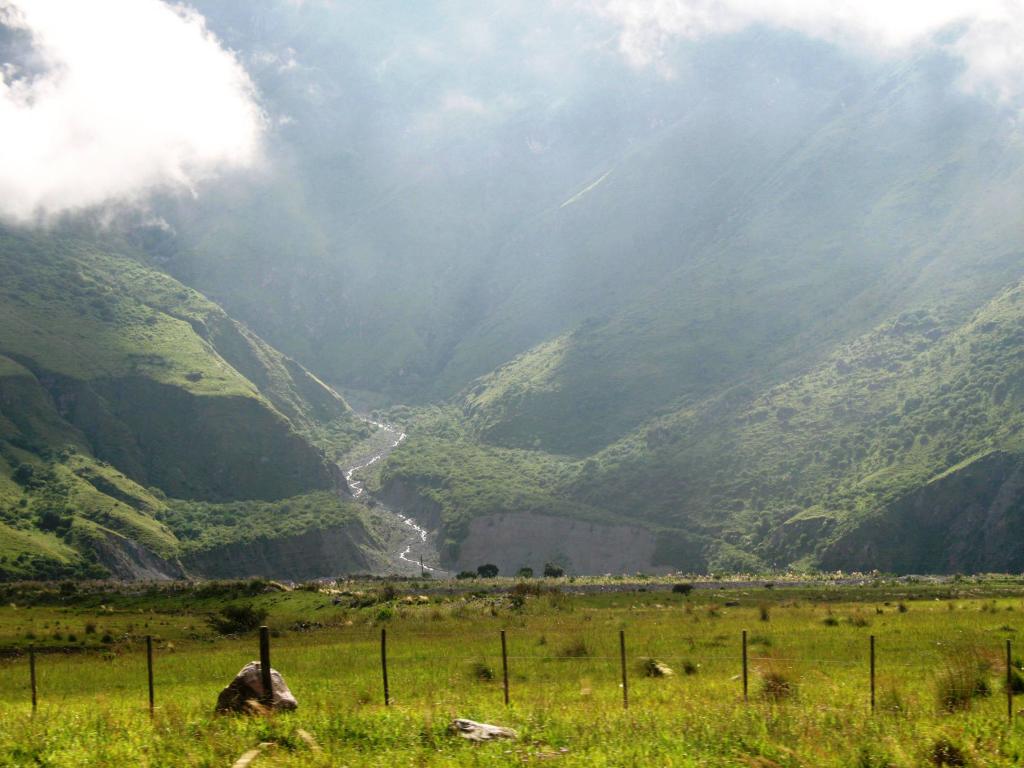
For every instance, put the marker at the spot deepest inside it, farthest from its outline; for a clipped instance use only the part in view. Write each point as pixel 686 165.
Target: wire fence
pixel 515 662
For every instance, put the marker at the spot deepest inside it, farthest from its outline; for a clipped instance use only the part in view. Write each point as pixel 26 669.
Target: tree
pixel 23 474
pixel 487 571
pixel 526 572
pixel 552 571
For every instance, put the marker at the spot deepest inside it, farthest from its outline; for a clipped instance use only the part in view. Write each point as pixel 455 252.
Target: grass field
pixel 940 675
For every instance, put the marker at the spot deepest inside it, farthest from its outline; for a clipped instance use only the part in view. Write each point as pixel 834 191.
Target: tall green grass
pixel 566 699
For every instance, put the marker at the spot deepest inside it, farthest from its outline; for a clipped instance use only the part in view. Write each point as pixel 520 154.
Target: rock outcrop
pixel 246 694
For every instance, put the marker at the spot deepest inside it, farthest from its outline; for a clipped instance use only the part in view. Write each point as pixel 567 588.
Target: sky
pixel 120 98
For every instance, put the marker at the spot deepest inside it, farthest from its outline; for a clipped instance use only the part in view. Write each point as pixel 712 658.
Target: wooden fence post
pixel 384 664
pixel 622 657
pixel 149 670
pixel 32 674
pixel 268 683
pixel 745 665
pixel 504 664
pixel 1009 683
pixel 872 673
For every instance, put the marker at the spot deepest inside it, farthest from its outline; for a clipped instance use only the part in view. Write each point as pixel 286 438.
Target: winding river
pixel 416 548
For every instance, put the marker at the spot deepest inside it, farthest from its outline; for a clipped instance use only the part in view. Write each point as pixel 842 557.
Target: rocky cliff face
pixel 514 541
pixel 128 560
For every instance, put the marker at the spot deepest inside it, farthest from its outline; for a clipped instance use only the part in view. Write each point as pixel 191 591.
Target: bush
pixel 552 571
pixel 482 672
pixel 575 648
pixel 776 685
pixel 945 753
pixel 964 677
pixel 682 589
pixel 487 570
pixel 525 573
pixel 236 619
pixel 465 575
pixel 23 474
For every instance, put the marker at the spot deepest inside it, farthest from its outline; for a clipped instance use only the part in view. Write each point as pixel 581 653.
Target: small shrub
pixel 682 589
pixel 764 613
pixel 531 589
pixel 830 621
pixel 776 685
pixel 466 575
pixel 945 753
pixel 859 621
pixel 525 573
pixel 487 570
pixel 690 668
pixel 575 648
pixel 235 619
pixel 1016 682
pixel 552 571
pixel 902 607
pixel 90 628
pixel 481 671
pixel 964 677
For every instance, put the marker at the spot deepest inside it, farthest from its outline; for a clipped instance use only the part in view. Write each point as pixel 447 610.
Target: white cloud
pixel 988 35
pixel 135 95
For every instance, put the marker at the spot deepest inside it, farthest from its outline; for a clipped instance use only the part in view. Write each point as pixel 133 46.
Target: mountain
pixel 901 451
pixel 142 427
pixel 758 309
pixel 594 296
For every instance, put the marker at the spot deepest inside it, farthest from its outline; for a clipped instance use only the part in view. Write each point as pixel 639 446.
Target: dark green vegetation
pixel 765 313
pixel 764 310
pixel 140 426
pixel 939 685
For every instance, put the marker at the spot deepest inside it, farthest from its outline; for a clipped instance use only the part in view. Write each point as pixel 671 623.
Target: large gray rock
pixel 245 692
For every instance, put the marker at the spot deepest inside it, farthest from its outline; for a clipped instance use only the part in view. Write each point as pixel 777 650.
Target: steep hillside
pixel 755 278
pixel 902 451
pixel 120 388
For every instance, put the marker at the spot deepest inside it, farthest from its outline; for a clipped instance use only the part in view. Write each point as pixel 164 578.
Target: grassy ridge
pixel 120 387
pixel 771 475
pixel 564 665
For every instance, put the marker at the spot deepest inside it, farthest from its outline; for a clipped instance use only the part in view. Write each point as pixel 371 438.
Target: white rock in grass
pixel 474 731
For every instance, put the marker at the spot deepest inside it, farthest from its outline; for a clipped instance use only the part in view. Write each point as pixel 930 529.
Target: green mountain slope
pixel 121 390
pixel 902 450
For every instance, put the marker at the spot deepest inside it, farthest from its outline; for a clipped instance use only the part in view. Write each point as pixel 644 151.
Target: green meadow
pixel 940 680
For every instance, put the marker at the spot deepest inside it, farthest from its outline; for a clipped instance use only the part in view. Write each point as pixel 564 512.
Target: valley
pixel 411 548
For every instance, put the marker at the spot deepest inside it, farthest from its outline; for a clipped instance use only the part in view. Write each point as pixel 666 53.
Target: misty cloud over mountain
pixel 106 101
